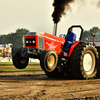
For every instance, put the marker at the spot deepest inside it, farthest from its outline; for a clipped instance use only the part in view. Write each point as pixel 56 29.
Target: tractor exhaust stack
pixel 55 29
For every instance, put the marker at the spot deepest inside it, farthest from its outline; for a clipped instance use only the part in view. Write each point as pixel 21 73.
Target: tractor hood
pixel 46 36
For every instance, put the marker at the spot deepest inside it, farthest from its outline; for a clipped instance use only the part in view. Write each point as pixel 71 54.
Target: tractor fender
pixel 22 51
pixel 73 46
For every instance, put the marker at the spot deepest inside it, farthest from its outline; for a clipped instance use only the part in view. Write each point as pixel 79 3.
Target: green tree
pixel 14 38
pixel 87 34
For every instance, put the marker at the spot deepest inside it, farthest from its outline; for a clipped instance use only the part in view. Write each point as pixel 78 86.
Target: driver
pixel 70 38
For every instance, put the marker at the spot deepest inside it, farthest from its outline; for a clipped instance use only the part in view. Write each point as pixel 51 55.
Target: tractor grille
pixel 41 43
pixel 30 42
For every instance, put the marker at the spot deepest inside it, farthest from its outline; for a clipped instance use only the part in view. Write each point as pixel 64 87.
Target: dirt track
pixel 35 85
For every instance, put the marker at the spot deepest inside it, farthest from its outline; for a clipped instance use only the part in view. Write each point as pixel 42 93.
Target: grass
pixel 15 69
pixel 10 63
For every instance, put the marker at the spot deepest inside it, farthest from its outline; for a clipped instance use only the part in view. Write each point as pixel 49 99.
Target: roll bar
pixel 78 26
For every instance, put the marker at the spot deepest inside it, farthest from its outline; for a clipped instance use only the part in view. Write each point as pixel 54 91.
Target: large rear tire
pixel 48 62
pixel 20 62
pixel 83 61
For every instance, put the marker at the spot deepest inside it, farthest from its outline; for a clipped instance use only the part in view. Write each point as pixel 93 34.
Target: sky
pixel 35 15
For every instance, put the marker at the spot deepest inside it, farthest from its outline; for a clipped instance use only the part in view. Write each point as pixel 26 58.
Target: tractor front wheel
pixel 48 62
pixel 20 62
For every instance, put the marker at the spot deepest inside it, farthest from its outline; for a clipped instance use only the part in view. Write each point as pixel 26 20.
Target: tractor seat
pixel 62 50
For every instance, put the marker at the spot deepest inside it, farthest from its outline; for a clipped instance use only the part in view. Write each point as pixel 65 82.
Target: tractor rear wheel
pixel 48 62
pixel 20 62
pixel 83 61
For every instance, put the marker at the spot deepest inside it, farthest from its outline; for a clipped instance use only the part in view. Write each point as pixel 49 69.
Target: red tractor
pixel 81 61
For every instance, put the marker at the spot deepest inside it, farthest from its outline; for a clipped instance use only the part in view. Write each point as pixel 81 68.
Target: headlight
pixel 26 41
pixel 30 42
pixel 33 41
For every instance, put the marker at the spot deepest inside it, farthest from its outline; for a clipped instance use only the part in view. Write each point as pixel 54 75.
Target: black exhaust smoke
pixel 60 9
pixel 98 4
pixel 60 6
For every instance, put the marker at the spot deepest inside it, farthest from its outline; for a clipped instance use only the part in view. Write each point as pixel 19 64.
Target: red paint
pixel 91 33
pixel 93 40
pixel 30 37
pixel 52 42
pixel 56 46
pixel 31 46
pixel 51 37
pixel 36 41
